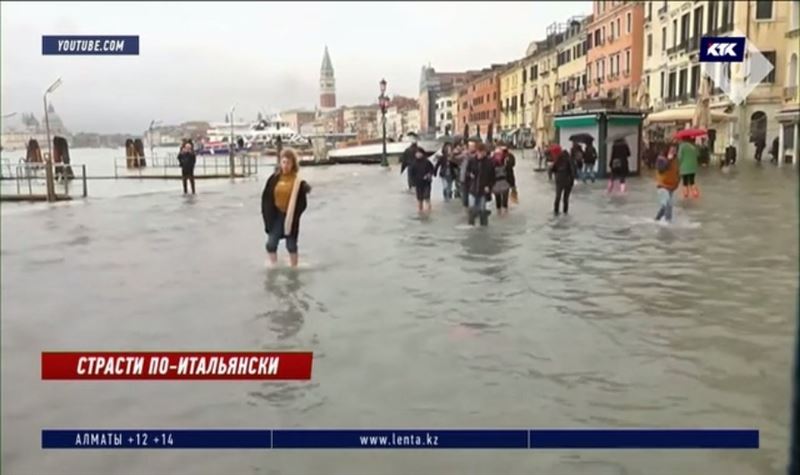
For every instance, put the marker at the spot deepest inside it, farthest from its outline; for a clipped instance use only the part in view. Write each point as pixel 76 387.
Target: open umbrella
pixel 582 137
pixel 691 133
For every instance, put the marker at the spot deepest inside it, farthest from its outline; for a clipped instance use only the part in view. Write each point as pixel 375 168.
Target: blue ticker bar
pixel 392 439
pixel 644 439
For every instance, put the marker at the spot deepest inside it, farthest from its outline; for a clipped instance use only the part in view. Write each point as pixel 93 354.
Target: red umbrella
pixel 690 133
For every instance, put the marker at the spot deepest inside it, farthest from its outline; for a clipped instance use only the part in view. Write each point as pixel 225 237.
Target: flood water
pixel 598 319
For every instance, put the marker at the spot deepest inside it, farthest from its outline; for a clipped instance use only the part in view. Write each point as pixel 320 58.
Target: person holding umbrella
pixel 688 160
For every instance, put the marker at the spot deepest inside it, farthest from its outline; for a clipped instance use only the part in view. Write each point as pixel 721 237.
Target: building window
pixel 597 36
pixel 619 30
pixel 664 38
pixel 674 33
pixel 764 10
pixel 449 115
pixel 711 24
pixel 671 86
pixel 662 85
pixel 685 23
pixel 524 76
pixel 682 82
pixel 611 29
pixel 584 81
pixel 649 45
pixel 649 10
pixel 727 13
pixel 628 61
pixel 630 22
pixel 772 58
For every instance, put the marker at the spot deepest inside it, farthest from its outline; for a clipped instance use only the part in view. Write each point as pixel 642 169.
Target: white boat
pixel 256 135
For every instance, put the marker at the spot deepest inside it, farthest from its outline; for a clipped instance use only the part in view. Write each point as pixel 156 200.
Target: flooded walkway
pixel 599 319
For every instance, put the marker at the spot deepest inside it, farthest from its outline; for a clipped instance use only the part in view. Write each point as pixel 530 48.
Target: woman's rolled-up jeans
pixel 665 201
pixel 276 234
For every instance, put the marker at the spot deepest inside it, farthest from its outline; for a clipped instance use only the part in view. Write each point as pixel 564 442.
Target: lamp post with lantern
pixel 383 103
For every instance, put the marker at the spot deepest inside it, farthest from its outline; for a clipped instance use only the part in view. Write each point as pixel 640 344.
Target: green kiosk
pixel 605 126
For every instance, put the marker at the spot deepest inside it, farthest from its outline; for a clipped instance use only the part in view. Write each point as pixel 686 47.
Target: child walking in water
pixel 667 181
pixel 687 158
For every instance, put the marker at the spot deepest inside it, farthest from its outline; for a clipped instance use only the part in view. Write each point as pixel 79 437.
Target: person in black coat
pixel 620 153
pixel 447 169
pixel 421 173
pixel 563 169
pixel 187 160
pixel 774 150
pixel 407 159
pixel 480 178
pixel 283 202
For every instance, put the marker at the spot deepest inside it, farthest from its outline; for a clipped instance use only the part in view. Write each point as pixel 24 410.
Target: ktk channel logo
pixel 733 64
pixel 715 49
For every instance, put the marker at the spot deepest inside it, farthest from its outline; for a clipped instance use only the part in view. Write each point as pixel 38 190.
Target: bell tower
pixel 327 84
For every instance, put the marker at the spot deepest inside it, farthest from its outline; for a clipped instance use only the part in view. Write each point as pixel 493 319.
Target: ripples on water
pixel 602 318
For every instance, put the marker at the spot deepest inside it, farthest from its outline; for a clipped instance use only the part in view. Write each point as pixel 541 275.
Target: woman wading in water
pixel 282 203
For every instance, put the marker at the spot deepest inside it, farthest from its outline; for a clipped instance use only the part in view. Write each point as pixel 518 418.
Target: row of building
pixel 632 54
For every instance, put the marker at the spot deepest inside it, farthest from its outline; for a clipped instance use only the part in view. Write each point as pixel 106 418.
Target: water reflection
pixel 287 320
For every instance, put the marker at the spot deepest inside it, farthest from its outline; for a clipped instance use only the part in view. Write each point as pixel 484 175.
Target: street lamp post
pixel 51 184
pixel 383 103
pixel 230 145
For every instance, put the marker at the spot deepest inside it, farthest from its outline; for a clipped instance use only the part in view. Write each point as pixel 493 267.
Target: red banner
pixel 128 365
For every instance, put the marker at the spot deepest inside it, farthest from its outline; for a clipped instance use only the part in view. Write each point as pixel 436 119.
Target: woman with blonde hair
pixel 282 203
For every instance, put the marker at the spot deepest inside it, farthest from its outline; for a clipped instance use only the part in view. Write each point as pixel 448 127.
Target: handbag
pixel 514 196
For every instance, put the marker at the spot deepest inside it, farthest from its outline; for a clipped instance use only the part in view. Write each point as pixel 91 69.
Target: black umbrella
pixel 581 138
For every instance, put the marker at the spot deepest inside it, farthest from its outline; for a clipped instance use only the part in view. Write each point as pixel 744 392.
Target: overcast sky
pixel 198 59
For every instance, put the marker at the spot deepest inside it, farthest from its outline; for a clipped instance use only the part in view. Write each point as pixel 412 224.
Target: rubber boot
pixel 484 218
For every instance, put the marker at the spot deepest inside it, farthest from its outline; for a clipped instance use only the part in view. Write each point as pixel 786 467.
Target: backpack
pixel 662 164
